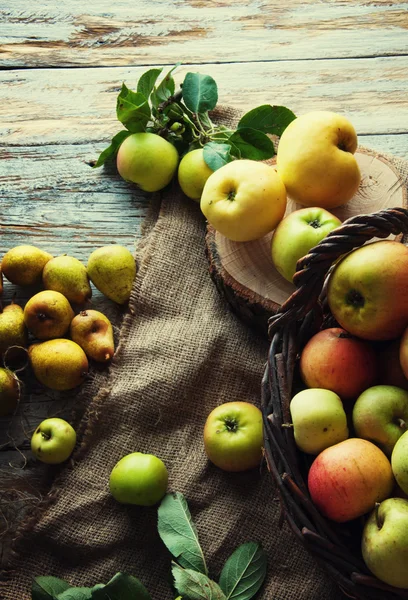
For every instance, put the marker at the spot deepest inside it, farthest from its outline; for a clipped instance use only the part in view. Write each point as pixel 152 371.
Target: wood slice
pixel 243 271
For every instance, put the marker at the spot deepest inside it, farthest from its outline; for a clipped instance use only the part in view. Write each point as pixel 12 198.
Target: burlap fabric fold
pixel 182 352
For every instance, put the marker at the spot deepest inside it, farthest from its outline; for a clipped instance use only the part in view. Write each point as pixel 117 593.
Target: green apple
pixel 139 479
pixel 233 436
pixel 318 419
pixel 316 160
pixel 147 160
pixel 192 173
pixel 53 441
pixel 380 414
pixel 367 291
pixel 384 542
pixel 296 234
pixel 399 462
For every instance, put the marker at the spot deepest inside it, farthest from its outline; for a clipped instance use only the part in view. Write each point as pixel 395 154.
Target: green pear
pixel 13 332
pixel 93 331
pixel 23 265
pixel 67 275
pixel 59 364
pixel 9 392
pixel 112 270
pixel 48 315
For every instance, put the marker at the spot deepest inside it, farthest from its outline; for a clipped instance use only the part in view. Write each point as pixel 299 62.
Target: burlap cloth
pixel 181 353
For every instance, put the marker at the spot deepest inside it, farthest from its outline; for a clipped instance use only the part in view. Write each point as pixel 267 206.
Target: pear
pixel 9 392
pixel 93 331
pixel 58 364
pixel 112 270
pixel 48 315
pixel 12 329
pixel 23 265
pixel 67 275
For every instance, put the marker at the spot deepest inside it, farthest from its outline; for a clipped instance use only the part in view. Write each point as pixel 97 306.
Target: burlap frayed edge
pixel 144 252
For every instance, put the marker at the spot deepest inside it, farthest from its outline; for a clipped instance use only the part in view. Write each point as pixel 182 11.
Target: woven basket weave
pixel 335 546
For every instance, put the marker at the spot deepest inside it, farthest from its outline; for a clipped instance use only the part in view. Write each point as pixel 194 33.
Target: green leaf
pixel 111 151
pixel 122 587
pixel 200 92
pixel 178 532
pixel 195 586
pixel 244 572
pixel 267 118
pixel 47 588
pixel 132 109
pixel 76 593
pixel 252 144
pixel 146 83
pixel 165 89
pixel 217 155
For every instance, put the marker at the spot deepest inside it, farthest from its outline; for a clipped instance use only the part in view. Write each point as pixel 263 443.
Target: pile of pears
pixel 56 329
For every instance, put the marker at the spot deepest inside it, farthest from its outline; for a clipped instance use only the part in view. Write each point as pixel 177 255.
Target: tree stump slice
pixel 244 273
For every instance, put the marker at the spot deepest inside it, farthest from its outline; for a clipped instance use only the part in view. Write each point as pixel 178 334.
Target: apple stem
pixel 402 424
pixel 377 515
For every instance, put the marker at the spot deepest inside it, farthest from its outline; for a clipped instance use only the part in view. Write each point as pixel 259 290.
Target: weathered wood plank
pixel 73 34
pixel 77 106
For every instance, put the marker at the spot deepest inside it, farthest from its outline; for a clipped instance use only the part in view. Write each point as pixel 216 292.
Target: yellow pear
pixel 9 392
pixel 67 275
pixel 12 329
pixel 48 315
pixel 316 162
pixel 93 331
pixel 59 364
pixel 112 270
pixel 23 265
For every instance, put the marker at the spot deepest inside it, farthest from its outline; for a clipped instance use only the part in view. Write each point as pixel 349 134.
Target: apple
pixel 318 419
pixel 147 160
pixel 315 159
pixel 368 291
pixel 389 368
pixel 296 234
pixel 233 436
pixel 403 353
pixel 399 462
pixel 334 360
pixel 53 441
pixel 347 479
pixel 192 173
pixel 244 200
pixel 380 414
pixel 384 542
pixel 139 479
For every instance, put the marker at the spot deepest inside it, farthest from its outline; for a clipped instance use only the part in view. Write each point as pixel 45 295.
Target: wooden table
pixel 62 65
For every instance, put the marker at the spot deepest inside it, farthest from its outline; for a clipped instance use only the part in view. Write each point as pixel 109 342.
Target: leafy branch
pixel 183 118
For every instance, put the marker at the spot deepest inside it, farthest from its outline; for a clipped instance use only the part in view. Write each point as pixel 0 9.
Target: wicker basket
pixel 335 546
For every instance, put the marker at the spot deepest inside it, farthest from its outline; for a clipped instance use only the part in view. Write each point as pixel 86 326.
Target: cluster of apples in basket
pixel 352 414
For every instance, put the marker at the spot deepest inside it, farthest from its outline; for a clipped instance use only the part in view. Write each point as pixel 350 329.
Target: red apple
pixel 334 360
pixel 368 291
pixel 347 479
pixel 389 367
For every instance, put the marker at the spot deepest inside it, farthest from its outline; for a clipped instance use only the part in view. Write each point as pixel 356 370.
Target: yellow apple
pixel 315 160
pixel 192 173
pixel 244 200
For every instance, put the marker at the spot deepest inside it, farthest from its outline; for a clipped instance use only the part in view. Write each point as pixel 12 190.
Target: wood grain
pixel 74 34
pixel 77 106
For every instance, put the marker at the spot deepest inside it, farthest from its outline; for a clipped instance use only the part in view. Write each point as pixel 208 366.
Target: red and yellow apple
pixel 334 360
pixel 316 159
pixel 347 479
pixel 368 291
